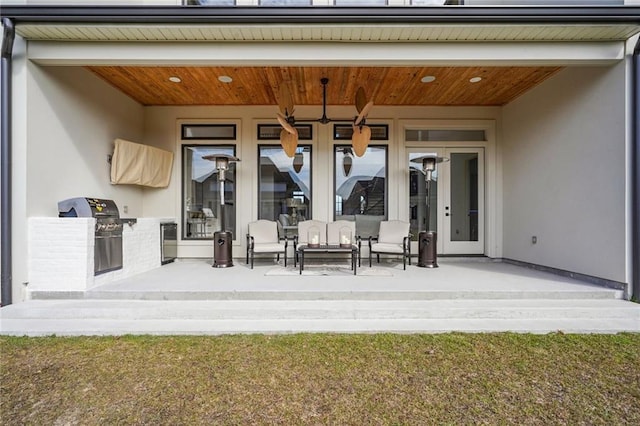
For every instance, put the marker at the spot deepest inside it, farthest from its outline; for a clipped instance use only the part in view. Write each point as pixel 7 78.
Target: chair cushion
pixel 268 247
pixel 393 231
pixel 386 248
pixel 305 226
pixel 333 231
pixel 264 231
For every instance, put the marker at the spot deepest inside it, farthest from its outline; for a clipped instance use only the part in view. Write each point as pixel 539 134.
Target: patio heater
pixel 222 239
pixel 427 250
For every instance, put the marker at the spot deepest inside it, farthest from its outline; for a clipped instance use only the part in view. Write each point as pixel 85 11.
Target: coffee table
pixel 303 249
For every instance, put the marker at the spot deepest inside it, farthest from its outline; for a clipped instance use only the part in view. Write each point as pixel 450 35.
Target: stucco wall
pixel 74 117
pixel 564 173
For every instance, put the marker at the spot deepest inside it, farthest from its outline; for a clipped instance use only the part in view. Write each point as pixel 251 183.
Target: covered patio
pixel 463 294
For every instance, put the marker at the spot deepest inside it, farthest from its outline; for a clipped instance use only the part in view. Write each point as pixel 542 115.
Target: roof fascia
pixel 320 14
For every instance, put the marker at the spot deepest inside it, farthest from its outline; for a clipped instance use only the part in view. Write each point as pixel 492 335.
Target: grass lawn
pixel 322 379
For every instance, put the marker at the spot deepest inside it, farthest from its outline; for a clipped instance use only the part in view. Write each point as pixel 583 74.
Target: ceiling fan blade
pixel 360 139
pixel 361 99
pixel 289 142
pixel 285 100
pixel 364 112
pixel 285 124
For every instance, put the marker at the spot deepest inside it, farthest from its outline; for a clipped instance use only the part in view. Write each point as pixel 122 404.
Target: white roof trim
pixel 331 32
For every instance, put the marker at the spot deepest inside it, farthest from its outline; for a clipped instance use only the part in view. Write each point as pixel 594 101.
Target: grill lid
pixel 87 207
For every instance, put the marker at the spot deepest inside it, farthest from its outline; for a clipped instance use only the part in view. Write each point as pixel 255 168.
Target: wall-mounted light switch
pixel 534 240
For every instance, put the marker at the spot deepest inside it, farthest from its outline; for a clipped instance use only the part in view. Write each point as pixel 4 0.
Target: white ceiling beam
pixel 326 53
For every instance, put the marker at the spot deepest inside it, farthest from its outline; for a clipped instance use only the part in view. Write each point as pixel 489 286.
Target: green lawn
pixel 322 379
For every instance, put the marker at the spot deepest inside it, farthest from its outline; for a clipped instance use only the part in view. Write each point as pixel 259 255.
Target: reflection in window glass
pixel 284 192
pixel 427 135
pixel 418 197
pixel 432 2
pixel 464 196
pixel 285 2
pixel 360 182
pixel 211 2
pixel 360 2
pixel 201 207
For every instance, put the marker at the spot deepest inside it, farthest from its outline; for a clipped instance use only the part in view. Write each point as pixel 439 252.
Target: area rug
pixel 319 270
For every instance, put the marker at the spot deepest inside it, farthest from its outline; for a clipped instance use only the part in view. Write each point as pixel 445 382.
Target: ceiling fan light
pixel 298 162
pixel 347 163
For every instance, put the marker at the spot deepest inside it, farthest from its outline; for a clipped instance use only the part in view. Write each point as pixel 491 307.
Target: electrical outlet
pixel 534 240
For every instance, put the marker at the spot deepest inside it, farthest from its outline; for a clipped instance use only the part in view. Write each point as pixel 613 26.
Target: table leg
pixel 354 261
pixel 301 260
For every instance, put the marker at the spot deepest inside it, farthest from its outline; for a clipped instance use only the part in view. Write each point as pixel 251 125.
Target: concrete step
pixel 116 317
pixel 303 293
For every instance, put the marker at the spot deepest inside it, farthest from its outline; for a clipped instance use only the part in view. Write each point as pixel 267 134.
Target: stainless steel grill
pixel 108 229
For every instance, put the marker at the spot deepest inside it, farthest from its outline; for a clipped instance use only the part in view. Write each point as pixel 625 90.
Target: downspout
pixel 5 164
pixel 635 174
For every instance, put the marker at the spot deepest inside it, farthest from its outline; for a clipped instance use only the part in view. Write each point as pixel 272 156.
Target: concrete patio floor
pixel 191 297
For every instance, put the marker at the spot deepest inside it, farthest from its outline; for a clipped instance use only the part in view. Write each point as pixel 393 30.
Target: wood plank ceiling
pixel 384 85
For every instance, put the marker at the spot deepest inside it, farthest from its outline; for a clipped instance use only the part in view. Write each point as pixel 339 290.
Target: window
pixel 360 2
pixel 210 2
pixel 272 131
pixel 285 2
pixel 428 135
pixel 284 186
pixel 202 211
pixel 360 183
pixel 209 131
pixel 379 132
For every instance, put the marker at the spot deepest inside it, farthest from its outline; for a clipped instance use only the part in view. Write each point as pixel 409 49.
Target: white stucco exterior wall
pixel 74 117
pixel 564 175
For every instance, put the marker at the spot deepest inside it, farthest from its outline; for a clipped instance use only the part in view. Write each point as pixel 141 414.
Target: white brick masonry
pixel 140 250
pixel 61 253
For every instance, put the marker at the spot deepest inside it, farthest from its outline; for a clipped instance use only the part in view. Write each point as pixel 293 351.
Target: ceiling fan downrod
pixel 324 119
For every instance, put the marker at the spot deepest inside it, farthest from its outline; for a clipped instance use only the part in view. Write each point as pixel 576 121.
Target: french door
pixel 455 199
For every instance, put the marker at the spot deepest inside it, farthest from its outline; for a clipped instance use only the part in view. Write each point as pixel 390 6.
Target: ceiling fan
pixel 289 134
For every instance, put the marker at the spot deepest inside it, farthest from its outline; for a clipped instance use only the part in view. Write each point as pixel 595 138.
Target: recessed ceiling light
pixel 428 79
pixel 475 79
pixel 225 79
pixel 175 79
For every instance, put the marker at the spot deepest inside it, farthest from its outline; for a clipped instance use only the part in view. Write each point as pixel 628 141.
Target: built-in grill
pixel 108 230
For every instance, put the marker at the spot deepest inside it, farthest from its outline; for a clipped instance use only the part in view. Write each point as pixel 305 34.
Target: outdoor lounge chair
pixel 262 237
pixel 393 238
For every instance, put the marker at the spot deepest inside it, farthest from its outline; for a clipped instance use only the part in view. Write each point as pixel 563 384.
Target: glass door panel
pixel 456 199
pixel 464 201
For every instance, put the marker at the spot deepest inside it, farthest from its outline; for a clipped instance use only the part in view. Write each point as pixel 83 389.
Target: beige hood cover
pixel 137 164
